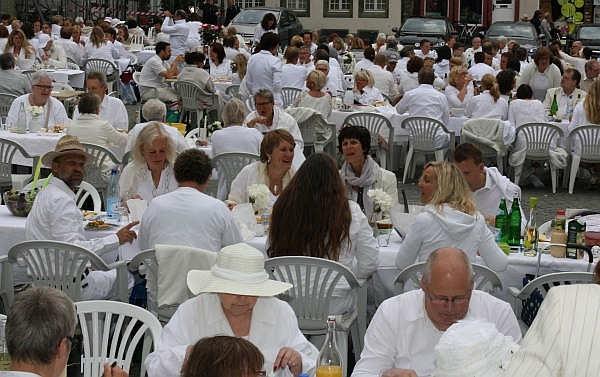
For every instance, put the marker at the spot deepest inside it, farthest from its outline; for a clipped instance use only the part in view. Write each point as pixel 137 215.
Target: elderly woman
pixel 333 86
pixel 235 298
pixel 360 173
pixel 150 174
pixel 338 229
pixel 315 98
pixel 235 137
pixel 364 91
pixel 220 66
pixel 542 75
pixel 22 50
pixel 449 219
pixel 460 88
pixel 274 169
pixel 488 103
pixel 267 25
pixel 52 110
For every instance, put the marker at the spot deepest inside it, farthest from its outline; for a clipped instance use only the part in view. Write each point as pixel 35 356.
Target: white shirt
pixel 369 96
pixel 384 81
pixel 259 31
pixel 454 102
pixel 425 101
pixel 173 219
pixel 150 75
pixel 178 32
pixel 521 111
pixel 293 76
pixel 408 81
pixel 563 100
pixel 484 106
pixel 136 179
pixel 221 71
pixel 447 227
pixel 273 326
pixel 497 187
pixel 579 116
pixel 88 128
pixel 231 53
pixel 365 64
pixel 255 173
pixel 105 51
pixel 113 111
pixel 478 70
pixel 540 82
pixel 193 38
pixel 236 139
pixel 57 115
pixel 73 50
pixel 264 72
pixel 174 135
pixel 23 61
pixel 431 54
pixel 401 335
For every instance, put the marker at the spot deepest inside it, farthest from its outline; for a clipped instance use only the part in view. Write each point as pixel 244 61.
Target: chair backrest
pixel 126 158
pixel 72 61
pixel 112 331
pixel 228 166
pixel 5 101
pixel 114 94
pixel 102 65
pixel 422 132
pixel 72 65
pixel 587 139
pixel 8 149
pixel 317 133
pixel 289 95
pixel 55 264
pixel 538 137
pixel 193 134
pixel 145 262
pixel 136 77
pixel 191 95
pixel 234 91
pixel 314 280
pixel 484 279
pixel 137 42
pixel 149 48
pixel 85 191
pixel 102 159
pixel 373 122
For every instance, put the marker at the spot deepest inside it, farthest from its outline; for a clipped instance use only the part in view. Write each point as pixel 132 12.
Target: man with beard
pixel 155 71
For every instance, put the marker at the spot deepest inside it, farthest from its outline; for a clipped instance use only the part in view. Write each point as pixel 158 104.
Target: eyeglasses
pixel 445 301
pixel 44 87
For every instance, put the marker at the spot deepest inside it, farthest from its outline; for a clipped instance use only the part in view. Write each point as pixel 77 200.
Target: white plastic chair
pixel 61 265
pixel 6 283
pixel 289 95
pixel 470 128
pixel 107 67
pixel 376 123
pixel 112 331
pixel 85 191
pixel 484 279
pixel 8 149
pixel 234 91
pixel 102 160
pixel 585 146
pixel 192 97
pixel 422 138
pixel 193 134
pixel 6 100
pixel 314 280
pixel 137 42
pixel 228 165
pixel 317 135
pixel 538 138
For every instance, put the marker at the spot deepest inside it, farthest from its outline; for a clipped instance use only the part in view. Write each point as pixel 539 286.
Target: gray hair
pixel 39 76
pixel 427 271
pixel 234 112
pixel 38 321
pixel 266 94
pixel 154 109
pixel 147 135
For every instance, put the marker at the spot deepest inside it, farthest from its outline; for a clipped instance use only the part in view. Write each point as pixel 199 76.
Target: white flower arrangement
pixel 258 195
pixel 214 126
pixel 36 111
pixel 382 202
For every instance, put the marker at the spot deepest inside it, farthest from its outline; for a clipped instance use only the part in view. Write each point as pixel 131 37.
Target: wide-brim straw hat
pixel 67 145
pixel 239 270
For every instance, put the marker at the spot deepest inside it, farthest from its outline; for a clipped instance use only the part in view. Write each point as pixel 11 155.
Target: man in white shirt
pixel 305 59
pixel 488 185
pixel 567 95
pixel 406 53
pixel 480 68
pixel 402 335
pixel 187 216
pixel 307 36
pixel 426 51
pixel 73 50
pixel 177 29
pixel 384 80
pixel 264 68
pixel 425 100
pixel 367 61
pixel 112 109
pixel 155 71
pixel 235 137
pixel 592 71
pixel 475 47
pixel 154 110
pixel 292 74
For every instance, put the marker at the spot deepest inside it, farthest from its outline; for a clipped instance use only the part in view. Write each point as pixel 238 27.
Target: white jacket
pixel 89 128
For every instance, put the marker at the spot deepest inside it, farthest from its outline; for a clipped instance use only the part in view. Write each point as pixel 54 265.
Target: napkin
pixel 137 207
pixel 244 217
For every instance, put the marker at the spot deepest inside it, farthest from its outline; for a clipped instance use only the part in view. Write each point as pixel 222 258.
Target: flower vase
pixel 375 216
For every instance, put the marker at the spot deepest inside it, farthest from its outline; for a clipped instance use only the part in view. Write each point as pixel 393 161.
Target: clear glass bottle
pixel 112 195
pixel 530 238
pixel 329 361
pixel 4 356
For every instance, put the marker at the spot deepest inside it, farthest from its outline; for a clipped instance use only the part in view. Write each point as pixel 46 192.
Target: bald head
pixel 448 263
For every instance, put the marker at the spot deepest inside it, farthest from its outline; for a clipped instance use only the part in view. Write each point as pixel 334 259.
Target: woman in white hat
pixel 235 298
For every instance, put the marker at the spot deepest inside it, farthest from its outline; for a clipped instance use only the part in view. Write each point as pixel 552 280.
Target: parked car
pixel 521 32
pixel 415 29
pixel 287 23
pixel 589 35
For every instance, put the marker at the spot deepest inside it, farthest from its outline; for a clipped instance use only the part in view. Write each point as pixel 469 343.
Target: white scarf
pixel 368 177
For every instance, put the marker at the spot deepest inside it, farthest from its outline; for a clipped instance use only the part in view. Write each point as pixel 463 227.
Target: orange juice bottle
pixel 329 362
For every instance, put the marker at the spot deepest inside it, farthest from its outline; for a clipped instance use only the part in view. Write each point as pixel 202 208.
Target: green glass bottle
pixel 502 222
pixel 554 106
pixel 514 224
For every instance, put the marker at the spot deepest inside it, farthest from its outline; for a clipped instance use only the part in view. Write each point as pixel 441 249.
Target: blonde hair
pixel 241 62
pixel 451 188
pixel 455 72
pixel 147 135
pixel 25 45
pixel 317 79
pixel 591 104
pixel 97 36
pixel 363 74
pixel 488 82
pixel 455 61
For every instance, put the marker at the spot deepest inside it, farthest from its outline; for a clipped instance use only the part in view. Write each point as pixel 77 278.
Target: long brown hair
pixel 312 216
pixel 220 356
pixel 591 104
pixel 97 36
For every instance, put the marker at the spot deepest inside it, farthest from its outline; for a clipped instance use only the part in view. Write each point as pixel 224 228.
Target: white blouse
pixel 454 102
pixel 136 179
pixel 369 96
pixel 221 71
pixel 484 106
pixel 255 173
pixel 521 111
pixel 321 104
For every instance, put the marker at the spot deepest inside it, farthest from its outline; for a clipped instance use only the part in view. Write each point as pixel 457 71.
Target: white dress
pixel 136 179
pixel 322 104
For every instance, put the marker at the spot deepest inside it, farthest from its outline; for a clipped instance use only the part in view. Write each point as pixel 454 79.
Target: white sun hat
pixel 473 348
pixel 239 270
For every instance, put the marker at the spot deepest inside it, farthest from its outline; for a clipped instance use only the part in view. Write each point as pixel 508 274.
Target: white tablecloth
pixel 74 77
pixel 36 144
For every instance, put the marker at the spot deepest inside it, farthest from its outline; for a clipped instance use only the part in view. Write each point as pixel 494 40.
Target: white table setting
pixel 74 77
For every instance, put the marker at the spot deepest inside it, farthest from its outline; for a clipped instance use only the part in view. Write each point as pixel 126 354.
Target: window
pixel 373 8
pixel 301 8
pixel 337 8
pixel 250 3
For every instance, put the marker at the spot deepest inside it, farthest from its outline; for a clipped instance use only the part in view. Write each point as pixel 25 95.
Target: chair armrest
pixel 122 287
pixel 514 291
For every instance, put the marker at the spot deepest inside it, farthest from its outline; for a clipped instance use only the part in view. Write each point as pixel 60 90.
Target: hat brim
pixel 199 281
pixel 49 157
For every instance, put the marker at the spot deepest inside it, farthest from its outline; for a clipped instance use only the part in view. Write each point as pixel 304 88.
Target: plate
pixel 97 225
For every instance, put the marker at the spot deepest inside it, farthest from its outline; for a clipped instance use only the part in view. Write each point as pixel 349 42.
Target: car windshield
pixel 512 31
pixel 252 16
pixel 589 32
pixel 424 25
